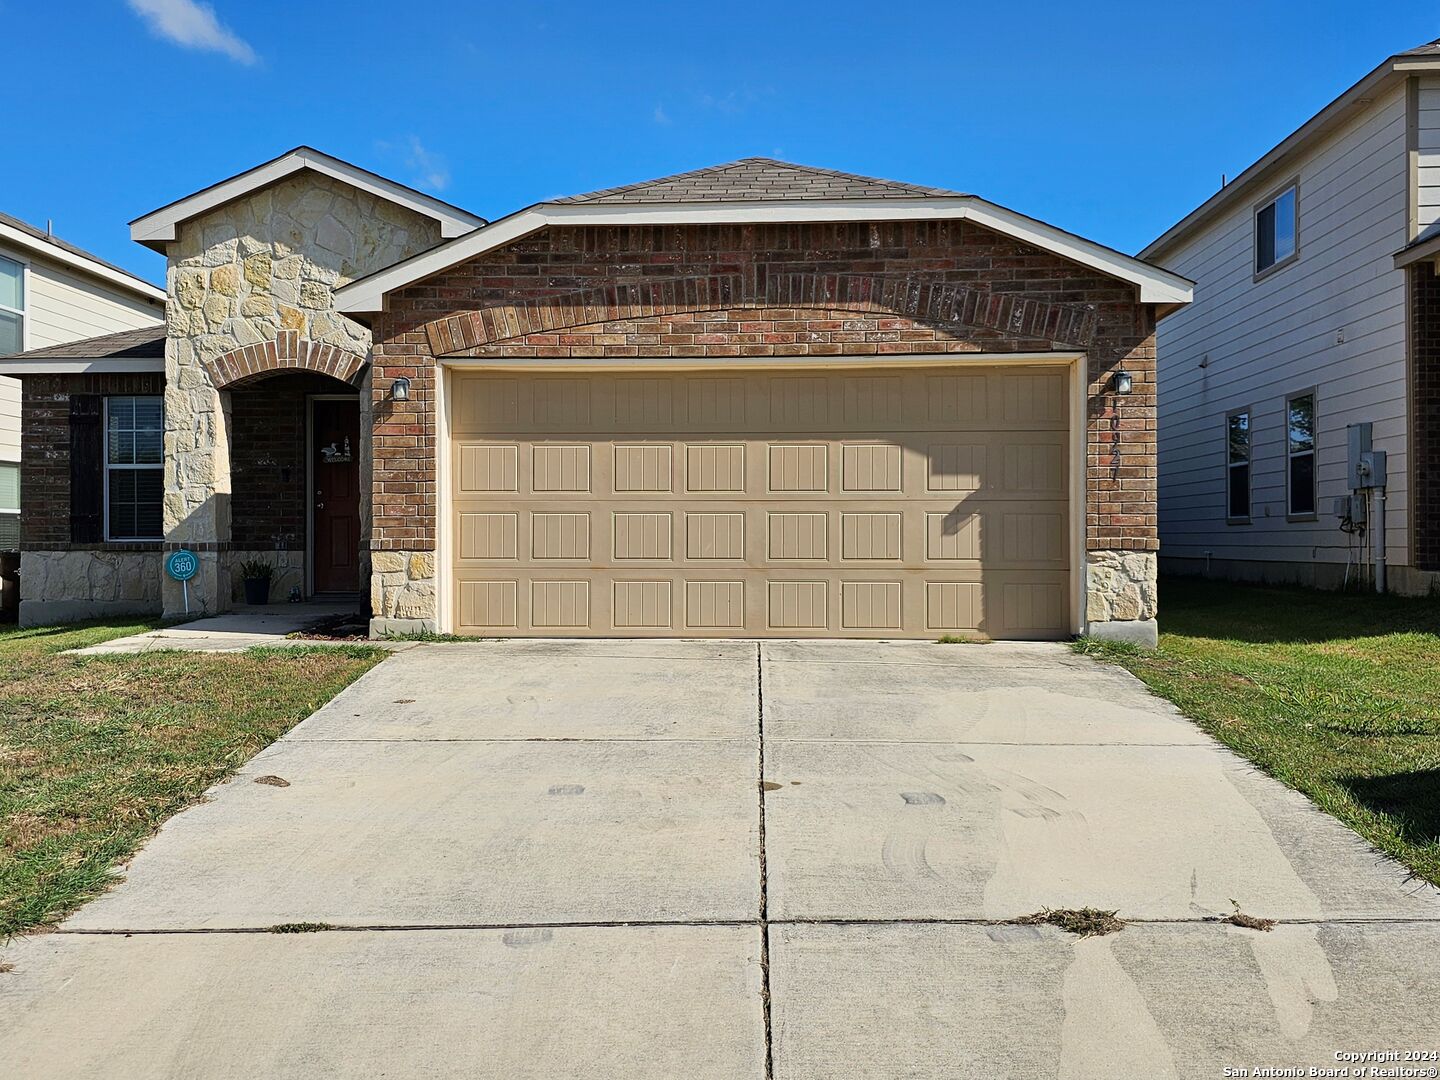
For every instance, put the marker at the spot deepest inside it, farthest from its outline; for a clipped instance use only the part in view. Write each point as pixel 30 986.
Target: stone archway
pixel 287 351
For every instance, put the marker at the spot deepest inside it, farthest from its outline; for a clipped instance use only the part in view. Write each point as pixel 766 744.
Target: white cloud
pixel 661 116
pixel 192 25
pixel 430 169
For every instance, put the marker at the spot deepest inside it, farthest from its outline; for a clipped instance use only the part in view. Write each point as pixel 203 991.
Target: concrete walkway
pixel 729 860
pixel 232 631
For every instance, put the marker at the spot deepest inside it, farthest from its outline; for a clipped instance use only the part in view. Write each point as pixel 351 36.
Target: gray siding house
pixel 1312 274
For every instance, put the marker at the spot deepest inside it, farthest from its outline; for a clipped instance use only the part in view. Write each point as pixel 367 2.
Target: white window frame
pixel 23 310
pixel 1291 454
pixel 1259 208
pixel 1249 463
pixel 108 467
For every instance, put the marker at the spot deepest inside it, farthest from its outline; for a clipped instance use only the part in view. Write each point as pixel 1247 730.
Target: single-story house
pixel 755 399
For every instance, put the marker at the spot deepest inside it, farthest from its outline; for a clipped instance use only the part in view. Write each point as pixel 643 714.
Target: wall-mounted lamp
pixel 1124 382
pixel 400 389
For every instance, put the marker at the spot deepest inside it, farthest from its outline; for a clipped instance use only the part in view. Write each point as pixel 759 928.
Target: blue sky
pixel 1110 119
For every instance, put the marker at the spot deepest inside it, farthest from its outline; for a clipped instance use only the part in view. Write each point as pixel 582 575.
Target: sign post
pixel 182 566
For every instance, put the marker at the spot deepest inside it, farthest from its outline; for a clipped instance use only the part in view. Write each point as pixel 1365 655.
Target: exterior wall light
pixel 1124 382
pixel 400 389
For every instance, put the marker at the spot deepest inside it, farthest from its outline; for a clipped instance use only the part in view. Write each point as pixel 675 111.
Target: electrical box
pixel 1366 465
pixel 1351 508
pixel 1359 438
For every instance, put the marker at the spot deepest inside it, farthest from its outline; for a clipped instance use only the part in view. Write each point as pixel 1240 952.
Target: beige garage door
pixel 869 503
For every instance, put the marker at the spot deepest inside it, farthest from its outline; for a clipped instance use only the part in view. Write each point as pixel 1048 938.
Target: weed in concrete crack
pixel 956 639
pixel 1250 922
pixel 1083 922
pixel 300 927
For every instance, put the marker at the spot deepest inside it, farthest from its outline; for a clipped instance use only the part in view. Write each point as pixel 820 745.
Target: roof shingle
pixel 757 180
pixel 146 343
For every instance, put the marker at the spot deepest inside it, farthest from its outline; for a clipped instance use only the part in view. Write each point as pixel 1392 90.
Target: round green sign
pixel 181 565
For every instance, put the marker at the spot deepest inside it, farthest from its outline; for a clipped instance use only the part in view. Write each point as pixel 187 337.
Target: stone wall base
pixel 71 586
pixel 402 586
pixel 1120 586
pixel 57 612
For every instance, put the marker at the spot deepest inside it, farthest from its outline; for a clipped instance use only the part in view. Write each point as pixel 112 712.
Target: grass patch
pixel 1082 922
pixel 1335 694
pixel 956 639
pixel 97 751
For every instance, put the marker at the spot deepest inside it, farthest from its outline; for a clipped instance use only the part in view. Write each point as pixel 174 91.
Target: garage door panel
pixel 865 503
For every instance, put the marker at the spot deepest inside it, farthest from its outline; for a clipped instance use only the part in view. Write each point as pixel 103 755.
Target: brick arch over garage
pixel 288 351
pixel 921 300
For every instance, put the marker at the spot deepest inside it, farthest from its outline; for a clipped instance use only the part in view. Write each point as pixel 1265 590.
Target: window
pixel 9 506
pixel 134 467
pixel 1237 465
pixel 1300 452
pixel 1276 226
pixel 12 306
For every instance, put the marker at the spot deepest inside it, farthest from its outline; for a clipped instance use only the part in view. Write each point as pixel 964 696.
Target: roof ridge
pixel 779 186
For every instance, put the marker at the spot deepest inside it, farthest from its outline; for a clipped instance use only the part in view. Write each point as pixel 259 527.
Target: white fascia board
pixel 57 254
pixel 93 365
pixel 1417 253
pixel 159 226
pixel 1155 285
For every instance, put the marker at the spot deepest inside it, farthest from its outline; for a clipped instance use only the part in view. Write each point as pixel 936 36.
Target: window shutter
pixel 87 469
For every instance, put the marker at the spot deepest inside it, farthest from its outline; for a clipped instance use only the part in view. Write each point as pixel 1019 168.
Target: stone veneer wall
pixel 238 276
pixel 402 591
pixel 67 586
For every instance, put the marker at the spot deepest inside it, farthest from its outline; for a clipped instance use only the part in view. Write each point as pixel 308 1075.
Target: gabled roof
pixel 756 179
pixel 128 350
pixel 1270 169
pixel 761 190
pixel 47 244
pixel 157 228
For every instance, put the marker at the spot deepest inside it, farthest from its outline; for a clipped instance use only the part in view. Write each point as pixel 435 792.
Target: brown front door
pixel 335 458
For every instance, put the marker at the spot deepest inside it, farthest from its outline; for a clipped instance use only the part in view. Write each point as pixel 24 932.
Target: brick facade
pixel 45 467
pixel 859 290
pixel 1425 414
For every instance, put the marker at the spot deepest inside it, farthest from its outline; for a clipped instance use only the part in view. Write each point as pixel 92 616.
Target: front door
pixel 335 469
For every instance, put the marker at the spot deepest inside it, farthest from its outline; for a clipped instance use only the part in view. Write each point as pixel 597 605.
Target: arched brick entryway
pixel 287 352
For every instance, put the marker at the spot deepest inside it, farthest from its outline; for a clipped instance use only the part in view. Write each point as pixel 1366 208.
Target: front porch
pixel 289 493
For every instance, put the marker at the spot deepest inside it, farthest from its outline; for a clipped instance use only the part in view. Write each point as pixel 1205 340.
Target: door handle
pixel 320 506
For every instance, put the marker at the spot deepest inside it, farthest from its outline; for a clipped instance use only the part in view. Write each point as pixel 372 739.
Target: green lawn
pixel 1338 695
pixel 96 752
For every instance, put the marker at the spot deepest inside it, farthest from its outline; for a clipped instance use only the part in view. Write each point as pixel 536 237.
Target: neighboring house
pixel 756 399
pixel 52 292
pixel 1317 306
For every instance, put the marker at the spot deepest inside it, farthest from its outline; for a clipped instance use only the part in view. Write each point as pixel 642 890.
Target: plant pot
pixel 257 590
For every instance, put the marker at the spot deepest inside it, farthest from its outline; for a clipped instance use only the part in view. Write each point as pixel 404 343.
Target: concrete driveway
pixel 722 859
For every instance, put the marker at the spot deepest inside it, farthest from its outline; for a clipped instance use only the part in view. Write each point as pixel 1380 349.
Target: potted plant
pixel 257 574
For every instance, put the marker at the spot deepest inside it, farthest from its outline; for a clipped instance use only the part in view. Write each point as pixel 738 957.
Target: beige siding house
pixel 1301 326
pixel 53 293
